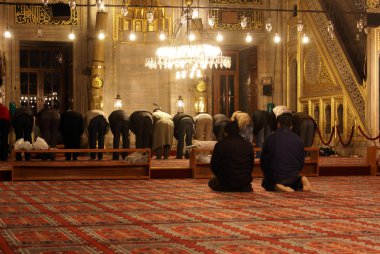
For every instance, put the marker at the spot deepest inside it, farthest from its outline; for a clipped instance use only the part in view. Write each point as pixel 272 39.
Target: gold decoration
pixel 236 1
pixel 201 86
pixel 38 14
pixel 97 82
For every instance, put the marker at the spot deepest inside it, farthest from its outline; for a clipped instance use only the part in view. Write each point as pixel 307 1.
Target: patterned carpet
pixel 340 215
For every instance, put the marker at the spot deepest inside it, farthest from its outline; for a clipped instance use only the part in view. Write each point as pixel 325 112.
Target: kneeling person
pixel 232 162
pixel 282 159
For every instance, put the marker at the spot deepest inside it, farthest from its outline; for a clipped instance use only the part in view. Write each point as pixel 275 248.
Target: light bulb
pixel 162 36
pixel 132 36
pixel 7 34
pixel 243 22
pixel 211 21
pixel 219 37
pixel 72 35
pixel 191 37
pixel 277 38
pixel 305 39
pixel 248 37
pixel 101 35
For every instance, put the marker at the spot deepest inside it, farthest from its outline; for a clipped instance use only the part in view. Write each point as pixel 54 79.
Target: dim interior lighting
pixel 219 37
pixel 191 37
pixel 248 37
pixel 101 35
pixel 132 36
pixel 277 38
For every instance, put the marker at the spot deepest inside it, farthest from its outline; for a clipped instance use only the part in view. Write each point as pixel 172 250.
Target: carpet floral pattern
pixel 340 215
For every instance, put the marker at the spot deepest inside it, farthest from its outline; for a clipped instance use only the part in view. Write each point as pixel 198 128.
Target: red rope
pixel 361 131
pixel 320 136
pixel 349 140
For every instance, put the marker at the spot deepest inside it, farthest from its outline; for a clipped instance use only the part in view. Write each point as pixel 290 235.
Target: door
pixel 226 88
pixel 42 75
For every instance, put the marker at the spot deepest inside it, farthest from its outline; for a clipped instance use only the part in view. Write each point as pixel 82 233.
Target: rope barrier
pixel 320 136
pixel 369 138
pixel 349 140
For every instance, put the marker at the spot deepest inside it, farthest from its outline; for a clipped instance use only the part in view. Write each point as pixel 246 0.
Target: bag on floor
pixel 40 144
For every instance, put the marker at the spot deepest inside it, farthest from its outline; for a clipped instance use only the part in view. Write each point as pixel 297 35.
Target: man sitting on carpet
pixel 282 158
pixel 232 162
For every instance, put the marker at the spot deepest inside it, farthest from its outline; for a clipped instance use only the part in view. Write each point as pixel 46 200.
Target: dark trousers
pixel 4 132
pixel 120 128
pixel 295 183
pixel 71 143
pixel 97 130
pixel 23 127
pixel 216 185
pixel 163 151
pixel 185 130
pixel 143 132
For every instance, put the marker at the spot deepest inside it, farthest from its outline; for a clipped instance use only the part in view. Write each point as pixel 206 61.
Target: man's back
pixel 283 155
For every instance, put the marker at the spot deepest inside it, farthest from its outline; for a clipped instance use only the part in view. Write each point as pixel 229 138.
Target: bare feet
pixel 306 184
pixel 280 187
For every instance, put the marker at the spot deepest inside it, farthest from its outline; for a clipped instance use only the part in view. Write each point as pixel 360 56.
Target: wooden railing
pixel 83 168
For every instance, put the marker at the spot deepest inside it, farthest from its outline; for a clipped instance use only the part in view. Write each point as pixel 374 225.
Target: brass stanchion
pixel 335 135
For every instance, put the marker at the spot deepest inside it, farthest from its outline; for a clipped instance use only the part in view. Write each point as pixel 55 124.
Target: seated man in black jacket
pixel 282 159
pixel 232 162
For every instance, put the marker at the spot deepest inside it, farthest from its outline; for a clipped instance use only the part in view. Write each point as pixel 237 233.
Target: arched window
pixel 340 118
pixel 316 114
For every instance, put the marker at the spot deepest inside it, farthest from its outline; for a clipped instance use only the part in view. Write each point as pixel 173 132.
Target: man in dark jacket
pixel 96 127
pixel 119 124
pixel 305 127
pixel 282 159
pixel 183 132
pixel 48 122
pixel 71 128
pixel 232 162
pixel 23 121
pixel 219 122
pixel 141 124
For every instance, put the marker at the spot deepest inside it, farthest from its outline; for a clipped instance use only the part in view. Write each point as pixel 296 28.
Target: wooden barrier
pixel 201 169
pixel 83 168
pixel 372 159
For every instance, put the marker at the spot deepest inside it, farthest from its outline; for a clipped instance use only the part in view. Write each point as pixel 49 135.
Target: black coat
pixel 71 125
pixel 232 162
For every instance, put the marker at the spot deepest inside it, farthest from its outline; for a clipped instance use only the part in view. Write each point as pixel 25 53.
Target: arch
pixel 339 113
pixel 316 114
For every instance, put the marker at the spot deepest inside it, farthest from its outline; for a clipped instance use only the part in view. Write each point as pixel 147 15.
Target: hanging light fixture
pixel 330 29
pixel 100 5
pixel 189 58
pixel 299 25
pixel 268 25
pixel 211 21
pixel 162 36
pixel 45 2
pixel 7 33
pixel 72 35
pixel 248 38
pixel 118 104
pixel 219 37
pixel 132 36
pixel 277 38
pixel 360 24
pixel 180 104
pixel 305 39
pixel 150 16
pixel 101 35
pixel 72 4
pixel 124 9
pixel 243 22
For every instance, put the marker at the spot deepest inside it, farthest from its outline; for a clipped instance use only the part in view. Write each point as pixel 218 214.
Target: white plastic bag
pixel 19 144
pixel 27 146
pixel 40 144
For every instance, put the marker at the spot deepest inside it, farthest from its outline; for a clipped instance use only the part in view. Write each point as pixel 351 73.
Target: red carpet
pixel 340 215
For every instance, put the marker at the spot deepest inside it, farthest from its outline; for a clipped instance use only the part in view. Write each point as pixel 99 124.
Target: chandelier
pixel 191 58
